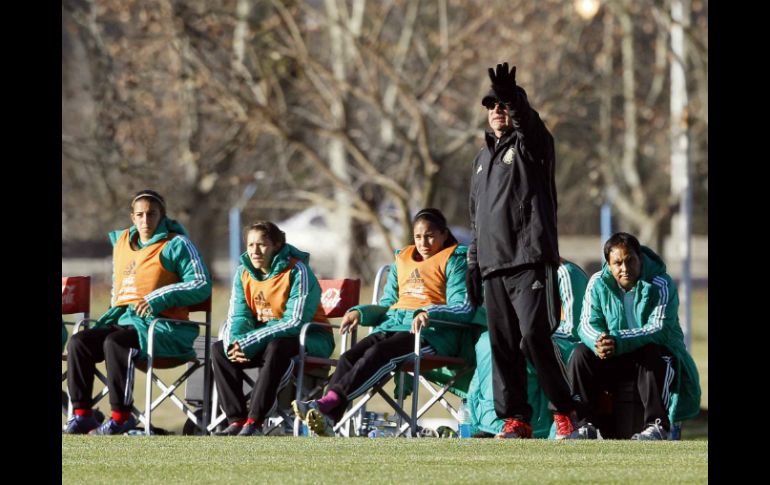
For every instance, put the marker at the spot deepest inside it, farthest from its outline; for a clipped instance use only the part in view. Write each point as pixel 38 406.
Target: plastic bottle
pixel 464 430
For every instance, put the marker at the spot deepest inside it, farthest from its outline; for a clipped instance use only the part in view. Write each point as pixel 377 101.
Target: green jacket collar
pixel 165 227
pixel 652 266
pixel 279 264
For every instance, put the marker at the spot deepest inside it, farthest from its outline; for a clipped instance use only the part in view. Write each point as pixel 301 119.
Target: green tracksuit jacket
pixel 179 256
pixel 656 306
pixel 301 306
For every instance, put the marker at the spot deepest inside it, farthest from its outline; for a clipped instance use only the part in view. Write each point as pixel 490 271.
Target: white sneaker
pixel 585 432
pixel 653 432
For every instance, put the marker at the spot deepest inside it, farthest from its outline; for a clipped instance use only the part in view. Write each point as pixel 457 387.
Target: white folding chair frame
pixel 168 391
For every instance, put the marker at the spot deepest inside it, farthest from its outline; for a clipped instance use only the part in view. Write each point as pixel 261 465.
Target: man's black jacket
pixel 513 195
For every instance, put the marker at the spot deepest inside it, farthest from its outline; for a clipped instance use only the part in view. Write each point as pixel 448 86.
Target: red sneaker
pixel 565 424
pixel 515 429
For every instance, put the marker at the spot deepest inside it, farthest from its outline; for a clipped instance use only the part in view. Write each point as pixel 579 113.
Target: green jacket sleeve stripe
pixel 183 258
pixel 588 333
pixel 238 310
pixel 567 302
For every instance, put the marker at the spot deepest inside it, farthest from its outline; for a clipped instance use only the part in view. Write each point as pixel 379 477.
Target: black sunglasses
pixel 491 104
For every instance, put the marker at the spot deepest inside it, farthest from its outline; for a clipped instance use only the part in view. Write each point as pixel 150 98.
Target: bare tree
pixel 369 110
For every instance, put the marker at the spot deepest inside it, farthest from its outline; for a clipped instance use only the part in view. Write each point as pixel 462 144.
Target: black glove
pixel 504 83
pixel 474 286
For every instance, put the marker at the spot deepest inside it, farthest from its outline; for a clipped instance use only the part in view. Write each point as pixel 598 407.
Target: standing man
pixel 515 253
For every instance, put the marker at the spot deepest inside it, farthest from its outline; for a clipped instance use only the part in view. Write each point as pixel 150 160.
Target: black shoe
pixel 251 429
pixel 231 430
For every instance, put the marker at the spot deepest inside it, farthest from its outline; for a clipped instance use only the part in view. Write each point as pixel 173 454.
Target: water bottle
pixel 375 433
pixel 464 429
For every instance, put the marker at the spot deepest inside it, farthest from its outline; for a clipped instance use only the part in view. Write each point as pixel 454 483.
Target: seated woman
pixel 157 272
pixel 426 281
pixel 274 294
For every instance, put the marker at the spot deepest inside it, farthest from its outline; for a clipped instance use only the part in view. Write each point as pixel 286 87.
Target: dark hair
pixel 622 239
pixel 276 236
pixel 152 196
pixel 436 219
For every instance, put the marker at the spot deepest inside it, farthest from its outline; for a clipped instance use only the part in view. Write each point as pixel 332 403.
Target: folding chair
pixel 416 366
pixel 337 297
pixel 76 298
pixel 152 362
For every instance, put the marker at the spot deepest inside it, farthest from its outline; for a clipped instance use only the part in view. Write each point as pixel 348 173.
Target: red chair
pixel 76 299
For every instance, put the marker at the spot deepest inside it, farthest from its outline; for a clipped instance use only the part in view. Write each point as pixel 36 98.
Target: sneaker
pixel 251 429
pixel 515 429
pixel 320 423
pixel 81 424
pixel 112 427
pixel 585 432
pixel 301 408
pixel 231 430
pixel 653 432
pixel 565 425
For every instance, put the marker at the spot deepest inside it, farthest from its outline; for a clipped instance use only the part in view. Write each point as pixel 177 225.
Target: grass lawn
pixel 176 459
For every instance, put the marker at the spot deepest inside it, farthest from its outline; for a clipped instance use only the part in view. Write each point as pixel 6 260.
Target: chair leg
pixel 148 401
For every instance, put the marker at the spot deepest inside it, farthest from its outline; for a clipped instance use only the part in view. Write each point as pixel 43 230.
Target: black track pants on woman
pixel 118 346
pixel 276 364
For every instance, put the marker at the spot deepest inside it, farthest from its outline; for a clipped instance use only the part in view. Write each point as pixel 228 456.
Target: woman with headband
pixel 427 280
pixel 156 271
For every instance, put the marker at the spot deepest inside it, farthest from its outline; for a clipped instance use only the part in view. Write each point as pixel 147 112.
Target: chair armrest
pixel 446 323
pixel 178 322
pixel 151 330
pixel 306 327
pixel 82 322
pixel 441 323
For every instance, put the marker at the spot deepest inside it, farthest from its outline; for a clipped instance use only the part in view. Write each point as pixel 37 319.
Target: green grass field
pixel 283 460
pixel 170 418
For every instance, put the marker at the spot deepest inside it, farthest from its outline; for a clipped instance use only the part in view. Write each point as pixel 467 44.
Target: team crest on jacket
pixel 508 157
